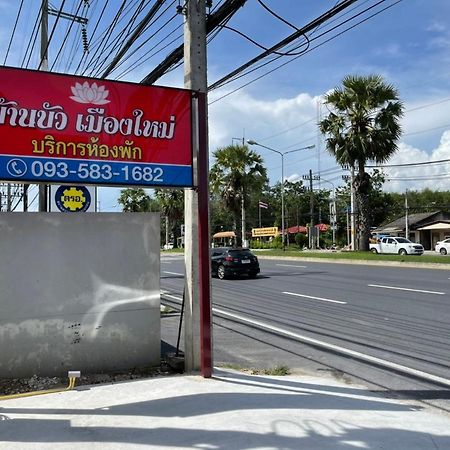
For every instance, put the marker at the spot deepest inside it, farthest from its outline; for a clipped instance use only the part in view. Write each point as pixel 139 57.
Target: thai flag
pixel 263 205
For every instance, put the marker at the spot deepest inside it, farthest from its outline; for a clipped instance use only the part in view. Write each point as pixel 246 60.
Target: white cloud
pixel 241 114
pixel 433 176
pixel 289 123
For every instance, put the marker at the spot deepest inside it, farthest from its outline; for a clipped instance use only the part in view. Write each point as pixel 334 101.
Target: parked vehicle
pixel 443 247
pixel 376 237
pixel 227 261
pixel 400 245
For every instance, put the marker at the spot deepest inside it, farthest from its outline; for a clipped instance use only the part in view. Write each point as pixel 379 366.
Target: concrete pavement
pixel 232 410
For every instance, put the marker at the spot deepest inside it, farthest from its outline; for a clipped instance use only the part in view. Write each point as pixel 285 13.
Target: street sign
pixel 75 130
pixel 73 198
pixel 268 231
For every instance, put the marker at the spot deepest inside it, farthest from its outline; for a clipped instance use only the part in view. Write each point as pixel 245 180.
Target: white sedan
pixel 443 247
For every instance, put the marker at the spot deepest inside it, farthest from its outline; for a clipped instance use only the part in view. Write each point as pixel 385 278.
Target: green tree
pixel 363 125
pixel 171 203
pixel 235 174
pixel 135 200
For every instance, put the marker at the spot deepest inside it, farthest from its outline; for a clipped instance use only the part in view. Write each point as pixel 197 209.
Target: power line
pixel 138 31
pixel 13 31
pixel 119 39
pixel 143 60
pixel 423 163
pixel 32 40
pixel 92 35
pixel 51 34
pixel 308 51
pixel 225 11
pixel 299 33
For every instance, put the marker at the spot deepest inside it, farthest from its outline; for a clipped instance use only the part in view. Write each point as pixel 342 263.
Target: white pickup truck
pixel 400 245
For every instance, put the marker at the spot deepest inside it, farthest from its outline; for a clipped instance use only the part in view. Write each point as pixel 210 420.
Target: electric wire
pixel 87 12
pixel 49 40
pixel 294 36
pixel 261 46
pixel 308 51
pixel 84 56
pixel 32 40
pixel 421 163
pixel 110 46
pixel 66 36
pixel 155 19
pixel 13 32
pixel 141 61
pixel 120 44
pixel 100 47
pixel 276 15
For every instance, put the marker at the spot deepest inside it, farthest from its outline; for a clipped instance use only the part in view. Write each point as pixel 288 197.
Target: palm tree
pixel 134 200
pixel 237 171
pixel 171 202
pixel 363 125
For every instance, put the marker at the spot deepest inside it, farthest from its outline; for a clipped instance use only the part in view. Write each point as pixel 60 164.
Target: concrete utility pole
pixel 406 215
pixel 352 211
pixel 243 221
pixel 43 65
pixel 311 206
pixel 198 336
pixel 311 210
pixel 43 188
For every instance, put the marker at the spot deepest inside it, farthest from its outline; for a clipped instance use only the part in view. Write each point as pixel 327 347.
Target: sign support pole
pixel 43 188
pixel 198 335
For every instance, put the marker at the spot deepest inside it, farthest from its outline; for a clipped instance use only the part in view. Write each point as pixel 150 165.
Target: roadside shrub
pixel 276 242
pixel 301 240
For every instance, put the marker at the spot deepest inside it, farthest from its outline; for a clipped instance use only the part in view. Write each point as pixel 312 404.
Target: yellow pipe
pixel 48 391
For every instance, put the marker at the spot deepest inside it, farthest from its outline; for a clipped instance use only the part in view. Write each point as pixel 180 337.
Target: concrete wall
pixel 78 292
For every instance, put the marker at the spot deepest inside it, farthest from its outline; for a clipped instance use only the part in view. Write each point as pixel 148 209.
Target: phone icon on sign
pixel 16 168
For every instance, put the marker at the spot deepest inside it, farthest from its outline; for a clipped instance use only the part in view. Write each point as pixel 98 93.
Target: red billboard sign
pixel 67 129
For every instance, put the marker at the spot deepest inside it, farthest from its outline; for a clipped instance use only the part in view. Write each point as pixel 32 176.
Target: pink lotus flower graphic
pixel 95 94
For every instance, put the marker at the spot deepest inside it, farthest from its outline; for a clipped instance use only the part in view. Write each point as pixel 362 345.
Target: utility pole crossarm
pixel 224 12
pixel 64 15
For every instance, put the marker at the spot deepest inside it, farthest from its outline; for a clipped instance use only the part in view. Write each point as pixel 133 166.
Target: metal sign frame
pixel 67 129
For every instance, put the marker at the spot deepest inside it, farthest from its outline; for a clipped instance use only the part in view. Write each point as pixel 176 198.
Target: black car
pixel 227 261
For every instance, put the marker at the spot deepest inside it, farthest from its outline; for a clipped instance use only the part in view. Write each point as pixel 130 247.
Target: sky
pixel 408 44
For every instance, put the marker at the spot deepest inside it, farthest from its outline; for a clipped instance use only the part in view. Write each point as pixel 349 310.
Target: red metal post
pixel 203 239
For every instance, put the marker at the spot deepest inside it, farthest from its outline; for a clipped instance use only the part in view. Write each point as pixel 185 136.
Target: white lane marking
pixel 405 289
pixel 171 296
pixel 173 273
pixel 290 265
pixel 316 298
pixel 335 348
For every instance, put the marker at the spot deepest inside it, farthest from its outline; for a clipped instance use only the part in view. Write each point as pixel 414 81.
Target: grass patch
pixel 360 256
pixel 167 310
pixel 278 371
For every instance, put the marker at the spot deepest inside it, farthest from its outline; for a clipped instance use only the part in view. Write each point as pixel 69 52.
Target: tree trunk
pixel 362 187
pixel 238 234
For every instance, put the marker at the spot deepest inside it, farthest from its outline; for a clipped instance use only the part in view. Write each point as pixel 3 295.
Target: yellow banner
pixel 269 231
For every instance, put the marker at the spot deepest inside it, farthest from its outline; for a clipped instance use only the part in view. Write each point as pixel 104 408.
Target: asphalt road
pixel 389 326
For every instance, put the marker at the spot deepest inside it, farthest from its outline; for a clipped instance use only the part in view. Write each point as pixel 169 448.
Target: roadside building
pixel 426 228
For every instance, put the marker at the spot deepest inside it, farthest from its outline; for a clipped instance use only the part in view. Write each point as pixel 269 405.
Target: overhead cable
pixel 13 32
pixel 149 16
pixel 300 32
pixel 225 11
pixel 309 50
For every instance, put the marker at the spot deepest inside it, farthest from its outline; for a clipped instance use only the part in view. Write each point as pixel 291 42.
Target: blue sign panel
pixel 120 173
